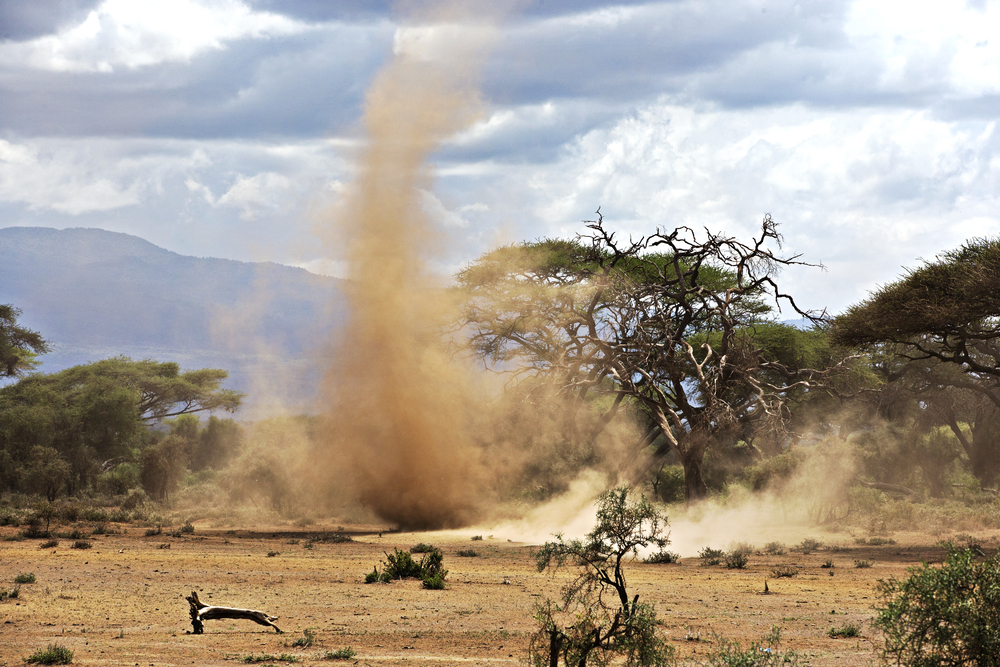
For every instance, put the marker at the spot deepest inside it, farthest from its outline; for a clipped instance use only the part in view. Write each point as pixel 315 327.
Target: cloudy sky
pixel 226 128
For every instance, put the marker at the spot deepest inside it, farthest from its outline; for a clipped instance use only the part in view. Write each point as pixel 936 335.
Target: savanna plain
pixel 122 600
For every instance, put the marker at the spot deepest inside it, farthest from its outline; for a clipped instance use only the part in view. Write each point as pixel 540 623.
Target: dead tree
pixel 201 612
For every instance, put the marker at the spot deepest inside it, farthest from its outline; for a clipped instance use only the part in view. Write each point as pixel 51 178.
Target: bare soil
pixel 121 602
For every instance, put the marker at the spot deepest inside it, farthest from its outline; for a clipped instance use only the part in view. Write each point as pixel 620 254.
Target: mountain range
pixel 94 294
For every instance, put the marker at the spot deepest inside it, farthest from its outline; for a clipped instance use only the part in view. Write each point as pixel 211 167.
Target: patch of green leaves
pixel 54 654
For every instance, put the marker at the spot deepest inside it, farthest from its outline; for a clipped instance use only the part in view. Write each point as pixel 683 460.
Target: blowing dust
pixel 408 433
pixel 786 512
pixel 398 427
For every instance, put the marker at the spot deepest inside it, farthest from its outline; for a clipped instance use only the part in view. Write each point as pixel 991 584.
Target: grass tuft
pixel 54 654
pixel 846 630
pixel 307 639
pixel 662 558
pixel 345 653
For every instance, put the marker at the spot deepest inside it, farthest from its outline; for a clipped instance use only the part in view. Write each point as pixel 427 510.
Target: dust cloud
pixel 407 432
pixel 786 512
pixel 399 420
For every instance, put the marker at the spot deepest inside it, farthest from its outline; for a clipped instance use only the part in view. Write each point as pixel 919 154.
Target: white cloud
pixel 252 194
pixel 43 179
pixel 921 39
pixel 204 191
pixel 865 191
pixel 130 34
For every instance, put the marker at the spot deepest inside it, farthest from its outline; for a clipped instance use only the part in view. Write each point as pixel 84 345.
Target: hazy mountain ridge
pixel 94 293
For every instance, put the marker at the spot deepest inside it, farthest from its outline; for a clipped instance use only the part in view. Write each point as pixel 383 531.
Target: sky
pixel 228 128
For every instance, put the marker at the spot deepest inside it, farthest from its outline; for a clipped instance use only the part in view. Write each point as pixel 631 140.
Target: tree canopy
pixel 668 323
pixel 948 309
pixel 936 334
pixel 92 413
pixel 18 345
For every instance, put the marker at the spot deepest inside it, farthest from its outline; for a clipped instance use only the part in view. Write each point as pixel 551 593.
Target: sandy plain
pixel 121 602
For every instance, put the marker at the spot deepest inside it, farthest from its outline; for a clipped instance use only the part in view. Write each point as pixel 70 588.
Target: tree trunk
pixel 984 459
pixel 201 612
pixel 694 484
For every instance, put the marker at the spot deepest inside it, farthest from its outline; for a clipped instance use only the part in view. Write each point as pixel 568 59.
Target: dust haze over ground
pixel 786 513
pixel 398 419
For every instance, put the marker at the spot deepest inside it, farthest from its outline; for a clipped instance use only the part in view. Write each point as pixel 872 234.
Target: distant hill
pixel 94 293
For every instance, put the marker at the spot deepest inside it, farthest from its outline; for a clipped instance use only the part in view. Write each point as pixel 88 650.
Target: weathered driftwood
pixel 201 612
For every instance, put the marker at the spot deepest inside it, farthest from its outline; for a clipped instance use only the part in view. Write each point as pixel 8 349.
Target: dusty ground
pixel 122 601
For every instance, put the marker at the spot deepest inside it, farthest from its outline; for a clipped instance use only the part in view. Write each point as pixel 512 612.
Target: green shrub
pixel 94 514
pixel 737 556
pixel 35 530
pixel 435 582
pixel 81 544
pixel 48 544
pixel 307 639
pixel 846 630
pixel 376 577
pixel 735 560
pixel 12 594
pixel 187 529
pixel 948 615
pixel 119 480
pixel 476 538
pixel 266 657
pixel 421 548
pixel 333 538
pixel 400 565
pixel 809 545
pixel 710 556
pixel 345 653
pixel 662 557
pixel 774 549
pixel 862 564
pixel 467 553
pixel 24 578
pixel 827 565
pixel 53 655
pixel 763 653
pixel 784 571
pixel 585 626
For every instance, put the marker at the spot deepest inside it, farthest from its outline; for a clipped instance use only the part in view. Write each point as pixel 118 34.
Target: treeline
pixel 678 333
pixel 660 361
pixel 111 426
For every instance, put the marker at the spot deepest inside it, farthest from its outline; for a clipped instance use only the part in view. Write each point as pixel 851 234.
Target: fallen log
pixel 201 612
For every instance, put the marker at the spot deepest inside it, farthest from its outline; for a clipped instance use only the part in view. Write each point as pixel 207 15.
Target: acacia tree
pixel 666 322
pixel 587 625
pixel 100 411
pixel 936 333
pixel 18 345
